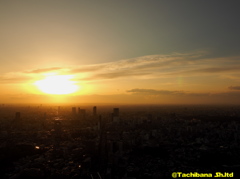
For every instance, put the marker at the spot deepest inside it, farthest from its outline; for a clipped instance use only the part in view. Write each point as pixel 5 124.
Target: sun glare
pixel 58 84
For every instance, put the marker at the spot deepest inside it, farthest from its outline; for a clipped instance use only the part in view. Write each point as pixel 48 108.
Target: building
pixel 18 115
pixel 115 112
pixel 74 111
pixel 115 115
pixel 82 114
pixel 94 110
pixel 99 124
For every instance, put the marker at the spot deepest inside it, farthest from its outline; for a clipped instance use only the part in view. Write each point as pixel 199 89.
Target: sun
pixel 57 84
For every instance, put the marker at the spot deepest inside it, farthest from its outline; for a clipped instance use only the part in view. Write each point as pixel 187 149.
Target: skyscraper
pixel 74 112
pixel 99 124
pixel 115 112
pixel 94 110
pixel 115 115
pixel 58 110
pixel 17 115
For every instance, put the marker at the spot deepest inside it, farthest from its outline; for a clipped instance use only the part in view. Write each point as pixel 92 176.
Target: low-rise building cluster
pixel 125 142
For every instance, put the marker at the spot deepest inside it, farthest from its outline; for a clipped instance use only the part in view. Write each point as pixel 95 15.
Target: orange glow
pixel 57 84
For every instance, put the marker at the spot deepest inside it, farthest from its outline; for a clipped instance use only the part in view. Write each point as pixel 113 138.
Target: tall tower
pixel 74 112
pixel 115 111
pixel 99 124
pixel 18 115
pixel 58 110
pixel 115 115
pixel 94 110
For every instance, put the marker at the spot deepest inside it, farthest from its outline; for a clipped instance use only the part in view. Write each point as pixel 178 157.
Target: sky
pixel 138 51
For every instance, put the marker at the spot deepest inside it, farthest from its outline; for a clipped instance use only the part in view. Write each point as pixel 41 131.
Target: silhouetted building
pixel 149 118
pixel 57 132
pixel 115 112
pixel 58 111
pixel 115 115
pixel 82 114
pixel 99 122
pixel 45 116
pixel 94 110
pixel 18 115
pixel 57 127
pixel 74 112
pixel 44 120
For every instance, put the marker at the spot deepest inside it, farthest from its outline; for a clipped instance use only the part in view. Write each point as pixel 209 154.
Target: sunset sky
pixel 128 51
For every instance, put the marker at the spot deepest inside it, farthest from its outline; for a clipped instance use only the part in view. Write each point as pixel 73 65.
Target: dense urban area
pixel 117 141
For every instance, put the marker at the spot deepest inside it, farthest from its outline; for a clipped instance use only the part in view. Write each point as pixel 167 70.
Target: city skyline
pixel 139 52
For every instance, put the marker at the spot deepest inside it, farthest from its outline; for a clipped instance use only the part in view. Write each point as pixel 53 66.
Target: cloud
pixel 154 92
pixel 117 74
pixel 14 78
pixel 147 67
pixel 234 87
pixel 217 69
pixel 44 70
pixel 87 68
pixel 30 75
pixel 150 66
pixel 160 66
pixel 154 61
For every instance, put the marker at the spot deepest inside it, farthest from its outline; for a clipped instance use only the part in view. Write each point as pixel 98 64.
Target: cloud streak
pixel 147 67
pixel 134 67
pixel 234 87
pixel 161 66
pixel 155 92
pixel 17 79
pixel 44 70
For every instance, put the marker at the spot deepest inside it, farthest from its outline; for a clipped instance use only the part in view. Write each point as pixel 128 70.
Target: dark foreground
pixel 125 143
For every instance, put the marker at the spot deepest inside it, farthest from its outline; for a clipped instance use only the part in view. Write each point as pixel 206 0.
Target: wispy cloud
pixel 234 87
pixel 162 66
pixel 147 67
pixel 17 79
pixel 117 74
pixel 154 92
pixel 87 68
pixel 14 77
pixel 216 69
pixel 140 66
pixel 44 70
pixel 29 75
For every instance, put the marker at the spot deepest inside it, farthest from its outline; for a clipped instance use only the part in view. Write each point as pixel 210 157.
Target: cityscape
pixel 117 142
pixel 130 89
